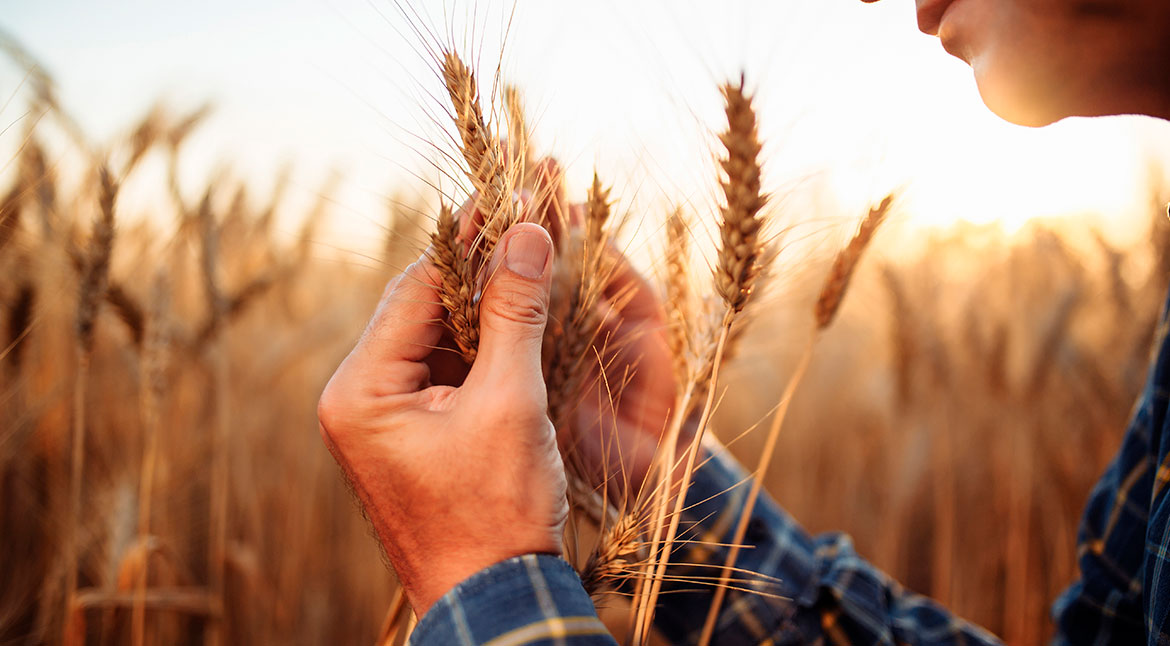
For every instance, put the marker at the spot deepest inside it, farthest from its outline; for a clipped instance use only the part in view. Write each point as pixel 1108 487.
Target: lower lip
pixel 931 7
pixel 951 39
pixel 943 18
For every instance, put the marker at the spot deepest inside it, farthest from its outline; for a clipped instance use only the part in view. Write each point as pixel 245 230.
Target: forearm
pixel 805 588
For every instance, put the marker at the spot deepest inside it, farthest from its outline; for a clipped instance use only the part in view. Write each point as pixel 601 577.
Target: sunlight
pixel 853 101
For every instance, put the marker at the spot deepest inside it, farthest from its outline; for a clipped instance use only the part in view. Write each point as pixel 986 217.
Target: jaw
pixel 1034 67
pixel 1056 88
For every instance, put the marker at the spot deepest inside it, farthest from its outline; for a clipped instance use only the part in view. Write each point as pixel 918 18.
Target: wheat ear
pixel 456 283
pixel 584 281
pixel 615 554
pixel 833 291
pixel 679 296
pixel 519 137
pixel 829 301
pixel 485 161
pixel 735 276
pixel 739 233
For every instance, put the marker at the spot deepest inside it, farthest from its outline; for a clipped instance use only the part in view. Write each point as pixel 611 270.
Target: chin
pixel 1013 111
pixel 1023 101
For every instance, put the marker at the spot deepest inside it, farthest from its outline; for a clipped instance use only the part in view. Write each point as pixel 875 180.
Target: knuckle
pixel 338 408
pixel 516 304
pixel 526 409
pixel 329 412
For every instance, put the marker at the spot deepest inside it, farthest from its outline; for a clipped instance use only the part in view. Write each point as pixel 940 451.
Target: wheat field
pixel 162 478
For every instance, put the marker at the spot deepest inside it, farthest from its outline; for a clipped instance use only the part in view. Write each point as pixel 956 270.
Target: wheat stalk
pixel 151 386
pixel 494 182
pixel 827 304
pixel 395 622
pixel 708 323
pixel 737 268
pixel 94 280
pixel 220 472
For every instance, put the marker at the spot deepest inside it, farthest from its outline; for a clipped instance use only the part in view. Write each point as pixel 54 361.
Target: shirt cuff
pixel 530 599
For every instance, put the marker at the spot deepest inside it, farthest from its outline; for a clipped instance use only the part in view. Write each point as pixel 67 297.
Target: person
pixel 465 488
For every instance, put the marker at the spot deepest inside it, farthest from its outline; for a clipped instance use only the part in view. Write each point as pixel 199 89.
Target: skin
pixel 453 478
pixel 1039 61
pixel 458 469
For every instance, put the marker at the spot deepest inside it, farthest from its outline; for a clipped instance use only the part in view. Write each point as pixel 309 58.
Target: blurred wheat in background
pixel 161 476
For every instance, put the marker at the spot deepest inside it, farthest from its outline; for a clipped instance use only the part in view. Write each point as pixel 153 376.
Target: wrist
pixel 426 583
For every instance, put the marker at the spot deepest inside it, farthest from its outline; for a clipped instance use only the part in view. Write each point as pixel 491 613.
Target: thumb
pixel 514 307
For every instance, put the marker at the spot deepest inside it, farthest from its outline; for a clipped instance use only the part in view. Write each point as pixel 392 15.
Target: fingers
pixel 514 309
pixel 386 362
pixel 637 297
pixel 408 322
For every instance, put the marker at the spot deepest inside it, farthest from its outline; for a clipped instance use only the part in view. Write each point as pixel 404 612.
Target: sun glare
pixel 853 101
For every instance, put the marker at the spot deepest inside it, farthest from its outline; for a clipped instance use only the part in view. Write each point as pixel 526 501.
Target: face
pixel 1038 61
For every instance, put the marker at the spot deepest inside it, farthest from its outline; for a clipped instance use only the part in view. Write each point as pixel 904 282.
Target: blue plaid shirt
pixel 824 593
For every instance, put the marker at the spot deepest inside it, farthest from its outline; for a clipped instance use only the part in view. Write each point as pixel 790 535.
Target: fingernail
pixel 527 254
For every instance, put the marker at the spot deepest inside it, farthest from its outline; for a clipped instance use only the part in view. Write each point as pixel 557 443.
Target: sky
pixel 853 101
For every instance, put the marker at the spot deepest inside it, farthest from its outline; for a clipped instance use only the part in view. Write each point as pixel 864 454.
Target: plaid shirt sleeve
pixel 532 599
pixel 812 590
pixel 809 590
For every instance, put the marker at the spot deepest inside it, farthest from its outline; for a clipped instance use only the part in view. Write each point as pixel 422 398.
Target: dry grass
pixel 162 480
pixel 112 392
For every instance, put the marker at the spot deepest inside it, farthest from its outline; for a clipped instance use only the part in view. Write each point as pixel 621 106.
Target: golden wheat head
pixel 739 231
pixel 844 265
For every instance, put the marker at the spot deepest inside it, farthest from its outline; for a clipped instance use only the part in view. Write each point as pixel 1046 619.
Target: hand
pixel 453 478
pixel 615 430
pixel 618 428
